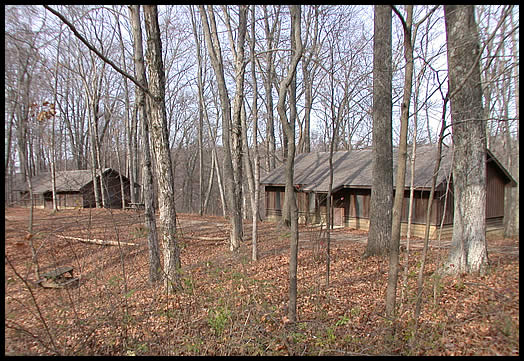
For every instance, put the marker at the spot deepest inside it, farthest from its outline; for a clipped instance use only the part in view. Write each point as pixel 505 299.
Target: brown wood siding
pixel 24 199
pixel 495 187
pixel 112 192
pixel 450 206
pixel 302 202
pixel 274 200
pixel 420 208
pixel 69 200
pixel 358 200
pixel 63 200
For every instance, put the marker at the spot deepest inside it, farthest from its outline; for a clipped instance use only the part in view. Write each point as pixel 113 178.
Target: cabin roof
pixel 66 181
pixel 353 169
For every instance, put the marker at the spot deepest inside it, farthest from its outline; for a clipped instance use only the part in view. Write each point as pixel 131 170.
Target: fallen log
pixel 98 241
pixel 203 238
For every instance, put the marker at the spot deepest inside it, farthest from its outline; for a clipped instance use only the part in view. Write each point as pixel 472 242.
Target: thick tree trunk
pixel 382 189
pixel 160 139
pixel 237 230
pixel 469 252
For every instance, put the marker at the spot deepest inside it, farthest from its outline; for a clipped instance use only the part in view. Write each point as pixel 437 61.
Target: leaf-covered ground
pixel 231 305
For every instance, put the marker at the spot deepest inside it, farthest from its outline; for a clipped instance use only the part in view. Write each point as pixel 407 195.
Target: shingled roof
pixel 353 169
pixel 66 181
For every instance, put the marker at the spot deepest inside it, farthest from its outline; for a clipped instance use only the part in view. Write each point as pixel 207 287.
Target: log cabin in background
pixel 351 190
pixel 74 188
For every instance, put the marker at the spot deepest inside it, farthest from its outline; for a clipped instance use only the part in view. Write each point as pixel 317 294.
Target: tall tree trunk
pixel 254 248
pixel 160 139
pixel 248 165
pixel 513 225
pixel 335 120
pixel 420 278
pixel 216 164
pixel 120 176
pixel 237 231
pixel 268 86
pixel 96 185
pixel 22 112
pixel 200 113
pixel 232 159
pixel 103 189
pixel 8 169
pixel 129 127
pixel 382 189
pixel 209 184
pixel 213 136
pixel 155 270
pixel 53 114
pixel 469 252
pixel 401 166
pixel 411 182
pixel 290 197
pixel 307 75
pixel 511 207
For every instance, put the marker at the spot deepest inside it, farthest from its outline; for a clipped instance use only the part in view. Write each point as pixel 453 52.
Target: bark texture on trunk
pixel 158 121
pixel 468 253
pixel 155 269
pixel 381 203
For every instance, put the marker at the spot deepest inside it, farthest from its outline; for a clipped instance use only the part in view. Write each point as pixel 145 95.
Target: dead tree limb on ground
pixel 99 241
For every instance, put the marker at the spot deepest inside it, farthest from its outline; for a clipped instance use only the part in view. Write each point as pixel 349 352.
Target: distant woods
pixel 96 107
pixel 218 96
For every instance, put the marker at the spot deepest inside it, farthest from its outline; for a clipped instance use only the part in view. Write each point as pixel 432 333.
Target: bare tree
pixel 200 110
pixel 309 70
pixel 162 154
pixel 254 109
pixel 130 123
pixel 150 220
pixel 382 189
pixel 52 113
pixel 272 37
pixel 409 38
pixel 232 147
pixel 469 252
pixel 290 196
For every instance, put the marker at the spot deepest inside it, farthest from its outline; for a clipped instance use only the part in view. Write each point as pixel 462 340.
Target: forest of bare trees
pixel 197 103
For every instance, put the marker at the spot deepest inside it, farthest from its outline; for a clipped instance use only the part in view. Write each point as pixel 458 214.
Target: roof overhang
pixel 490 157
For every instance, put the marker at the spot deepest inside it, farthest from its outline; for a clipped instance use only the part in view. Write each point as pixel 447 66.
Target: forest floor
pixel 231 305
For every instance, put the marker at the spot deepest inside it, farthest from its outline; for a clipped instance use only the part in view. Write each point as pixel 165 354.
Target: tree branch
pixel 93 49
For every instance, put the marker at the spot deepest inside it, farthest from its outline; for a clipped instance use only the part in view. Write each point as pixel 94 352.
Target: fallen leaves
pixel 116 314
